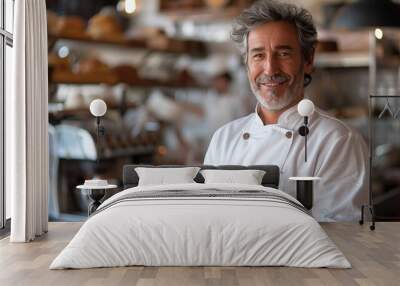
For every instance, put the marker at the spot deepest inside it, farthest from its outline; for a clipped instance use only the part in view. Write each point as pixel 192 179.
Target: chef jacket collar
pixel 284 120
pixel 290 119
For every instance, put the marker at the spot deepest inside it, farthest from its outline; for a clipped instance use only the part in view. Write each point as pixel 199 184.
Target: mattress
pixel 201 225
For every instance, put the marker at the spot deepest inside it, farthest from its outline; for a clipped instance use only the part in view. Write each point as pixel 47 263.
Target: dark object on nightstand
pixel 304 193
pixel 304 190
pixel 95 196
pixel 96 193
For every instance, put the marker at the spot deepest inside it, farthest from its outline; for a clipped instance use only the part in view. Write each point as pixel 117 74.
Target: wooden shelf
pixel 391 62
pixel 352 60
pixel 71 78
pixel 204 14
pixel 342 60
pixel 118 153
pixel 67 77
pixel 177 46
pixel 87 39
pixel 129 152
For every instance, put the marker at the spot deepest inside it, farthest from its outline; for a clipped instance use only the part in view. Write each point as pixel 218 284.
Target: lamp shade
pixel 305 107
pixel 368 13
pixel 98 107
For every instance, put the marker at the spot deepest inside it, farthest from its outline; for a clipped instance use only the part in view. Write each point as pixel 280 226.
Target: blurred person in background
pixel 222 104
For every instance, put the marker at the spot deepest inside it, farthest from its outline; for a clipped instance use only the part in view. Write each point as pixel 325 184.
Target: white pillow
pixel 248 177
pixel 162 176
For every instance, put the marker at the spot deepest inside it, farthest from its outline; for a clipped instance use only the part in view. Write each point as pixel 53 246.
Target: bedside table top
pixel 88 187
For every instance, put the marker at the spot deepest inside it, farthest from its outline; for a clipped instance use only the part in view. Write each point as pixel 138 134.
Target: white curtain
pixel 27 123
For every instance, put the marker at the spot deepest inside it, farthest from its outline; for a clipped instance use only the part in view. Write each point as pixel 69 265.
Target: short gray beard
pixel 274 102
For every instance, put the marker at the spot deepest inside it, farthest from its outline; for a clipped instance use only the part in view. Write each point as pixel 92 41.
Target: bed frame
pixel 271 178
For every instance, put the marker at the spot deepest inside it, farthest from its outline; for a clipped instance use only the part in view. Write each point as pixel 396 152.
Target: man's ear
pixel 309 63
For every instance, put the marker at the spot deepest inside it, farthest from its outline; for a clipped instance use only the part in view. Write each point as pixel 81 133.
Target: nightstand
pixel 96 193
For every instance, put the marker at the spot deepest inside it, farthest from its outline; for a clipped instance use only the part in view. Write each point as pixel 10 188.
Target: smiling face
pixel 276 66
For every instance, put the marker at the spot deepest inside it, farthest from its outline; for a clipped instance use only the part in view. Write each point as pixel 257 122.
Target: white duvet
pixel 200 231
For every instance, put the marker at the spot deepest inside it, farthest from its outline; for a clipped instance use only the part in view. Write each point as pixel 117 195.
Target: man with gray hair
pixel 277 41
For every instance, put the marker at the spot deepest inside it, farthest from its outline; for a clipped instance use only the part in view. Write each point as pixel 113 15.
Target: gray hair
pixel 265 11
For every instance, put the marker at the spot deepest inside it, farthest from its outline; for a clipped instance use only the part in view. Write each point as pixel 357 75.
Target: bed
pixel 201 224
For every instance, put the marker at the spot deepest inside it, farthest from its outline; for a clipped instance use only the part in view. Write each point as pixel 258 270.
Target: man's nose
pixel 270 66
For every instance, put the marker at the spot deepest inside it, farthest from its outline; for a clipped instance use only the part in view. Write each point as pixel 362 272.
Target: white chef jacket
pixel 335 152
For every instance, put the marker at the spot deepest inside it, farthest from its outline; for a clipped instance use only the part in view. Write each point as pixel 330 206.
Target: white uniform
pixel 335 152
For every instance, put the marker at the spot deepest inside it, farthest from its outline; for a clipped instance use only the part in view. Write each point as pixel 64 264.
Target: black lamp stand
pixel 303 131
pixel 100 132
pixel 304 193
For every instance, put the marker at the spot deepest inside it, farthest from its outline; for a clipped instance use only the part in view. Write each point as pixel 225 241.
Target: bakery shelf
pixel 222 10
pixel 62 77
pixel 58 76
pixel 129 152
pixel 87 39
pixel 175 46
pixel 118 153
pixel 342 60
pixel 204 14
pixel 352 60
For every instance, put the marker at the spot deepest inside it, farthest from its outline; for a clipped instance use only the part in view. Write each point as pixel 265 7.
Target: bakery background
pixel 170 77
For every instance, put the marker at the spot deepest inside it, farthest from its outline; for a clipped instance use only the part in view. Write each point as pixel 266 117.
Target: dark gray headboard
pixel 270 179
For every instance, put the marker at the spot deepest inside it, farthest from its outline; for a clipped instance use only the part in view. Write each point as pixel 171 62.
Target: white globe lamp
pixel 305 107
pixel 98 107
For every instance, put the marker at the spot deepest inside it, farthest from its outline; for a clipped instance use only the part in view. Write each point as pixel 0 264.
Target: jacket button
pixel 288 134
pixel 246 136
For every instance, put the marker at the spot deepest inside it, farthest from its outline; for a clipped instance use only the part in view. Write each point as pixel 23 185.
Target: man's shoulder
pixel 236 125
pixel 335 130
pixel 330 125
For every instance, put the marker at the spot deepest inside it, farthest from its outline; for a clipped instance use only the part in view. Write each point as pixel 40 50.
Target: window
pixel 6 43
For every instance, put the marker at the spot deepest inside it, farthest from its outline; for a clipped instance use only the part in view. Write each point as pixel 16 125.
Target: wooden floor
pixel 374 255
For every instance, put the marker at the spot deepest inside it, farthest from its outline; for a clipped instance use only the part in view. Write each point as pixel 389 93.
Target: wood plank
pixel 374 255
